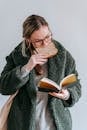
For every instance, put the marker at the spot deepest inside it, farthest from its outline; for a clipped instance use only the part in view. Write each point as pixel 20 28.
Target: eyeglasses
pixel 39 43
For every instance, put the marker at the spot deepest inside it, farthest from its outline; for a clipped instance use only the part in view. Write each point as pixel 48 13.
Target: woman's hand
pixel 64 94
pixel 34 60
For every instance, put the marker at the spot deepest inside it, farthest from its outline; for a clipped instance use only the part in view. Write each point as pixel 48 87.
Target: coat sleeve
pixel 11 79
pixel 75 90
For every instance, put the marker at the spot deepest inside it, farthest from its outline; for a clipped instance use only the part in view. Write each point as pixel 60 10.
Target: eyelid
pixel 47 36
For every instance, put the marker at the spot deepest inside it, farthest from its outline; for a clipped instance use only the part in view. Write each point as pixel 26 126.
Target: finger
pixel 40 61
pixel 40 55
pixel 58 95
pixel 62 95
pixel 53 94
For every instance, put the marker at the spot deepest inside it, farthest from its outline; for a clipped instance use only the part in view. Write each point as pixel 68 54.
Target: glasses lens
pixel 48 38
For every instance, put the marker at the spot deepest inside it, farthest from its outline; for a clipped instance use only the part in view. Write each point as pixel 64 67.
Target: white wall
pixel 68 21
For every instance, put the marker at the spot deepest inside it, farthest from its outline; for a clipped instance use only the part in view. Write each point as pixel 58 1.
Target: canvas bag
pixel 5 111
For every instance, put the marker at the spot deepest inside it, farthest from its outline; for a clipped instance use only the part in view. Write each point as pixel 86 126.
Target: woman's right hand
pixel 34 60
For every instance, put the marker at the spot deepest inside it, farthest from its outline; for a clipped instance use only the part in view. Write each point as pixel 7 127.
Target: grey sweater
pixel 43 118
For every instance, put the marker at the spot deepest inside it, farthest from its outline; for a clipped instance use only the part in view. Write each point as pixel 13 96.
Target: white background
pixel 68 22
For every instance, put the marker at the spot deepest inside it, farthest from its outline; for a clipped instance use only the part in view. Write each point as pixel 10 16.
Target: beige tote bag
pixel 5 111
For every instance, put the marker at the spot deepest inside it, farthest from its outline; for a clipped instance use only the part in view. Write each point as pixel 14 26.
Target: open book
pixel 47 85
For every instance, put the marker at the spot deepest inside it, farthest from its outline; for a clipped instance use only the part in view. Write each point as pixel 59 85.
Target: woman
pixel 31 109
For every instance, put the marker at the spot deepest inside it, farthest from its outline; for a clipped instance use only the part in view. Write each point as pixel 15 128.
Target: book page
pixel 69 79
pixel 49 81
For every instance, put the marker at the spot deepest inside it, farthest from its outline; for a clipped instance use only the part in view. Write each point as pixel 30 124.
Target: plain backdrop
pixel 68 22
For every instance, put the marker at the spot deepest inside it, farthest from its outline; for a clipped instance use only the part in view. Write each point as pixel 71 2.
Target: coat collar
pixel 56 64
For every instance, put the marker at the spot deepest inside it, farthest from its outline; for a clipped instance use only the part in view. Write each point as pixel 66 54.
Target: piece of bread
pixel 49 50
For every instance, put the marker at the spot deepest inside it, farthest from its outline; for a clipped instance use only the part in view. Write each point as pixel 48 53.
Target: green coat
pixel 22 113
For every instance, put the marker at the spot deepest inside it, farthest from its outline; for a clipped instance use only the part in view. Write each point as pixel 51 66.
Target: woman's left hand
pixel 64 94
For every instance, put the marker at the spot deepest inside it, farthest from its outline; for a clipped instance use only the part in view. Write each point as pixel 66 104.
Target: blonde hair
pixel 33 23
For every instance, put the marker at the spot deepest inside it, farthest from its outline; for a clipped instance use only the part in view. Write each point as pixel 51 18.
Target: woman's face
pixel 41 37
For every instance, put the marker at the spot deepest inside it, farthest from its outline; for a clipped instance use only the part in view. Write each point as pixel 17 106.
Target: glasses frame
pixel 40 42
